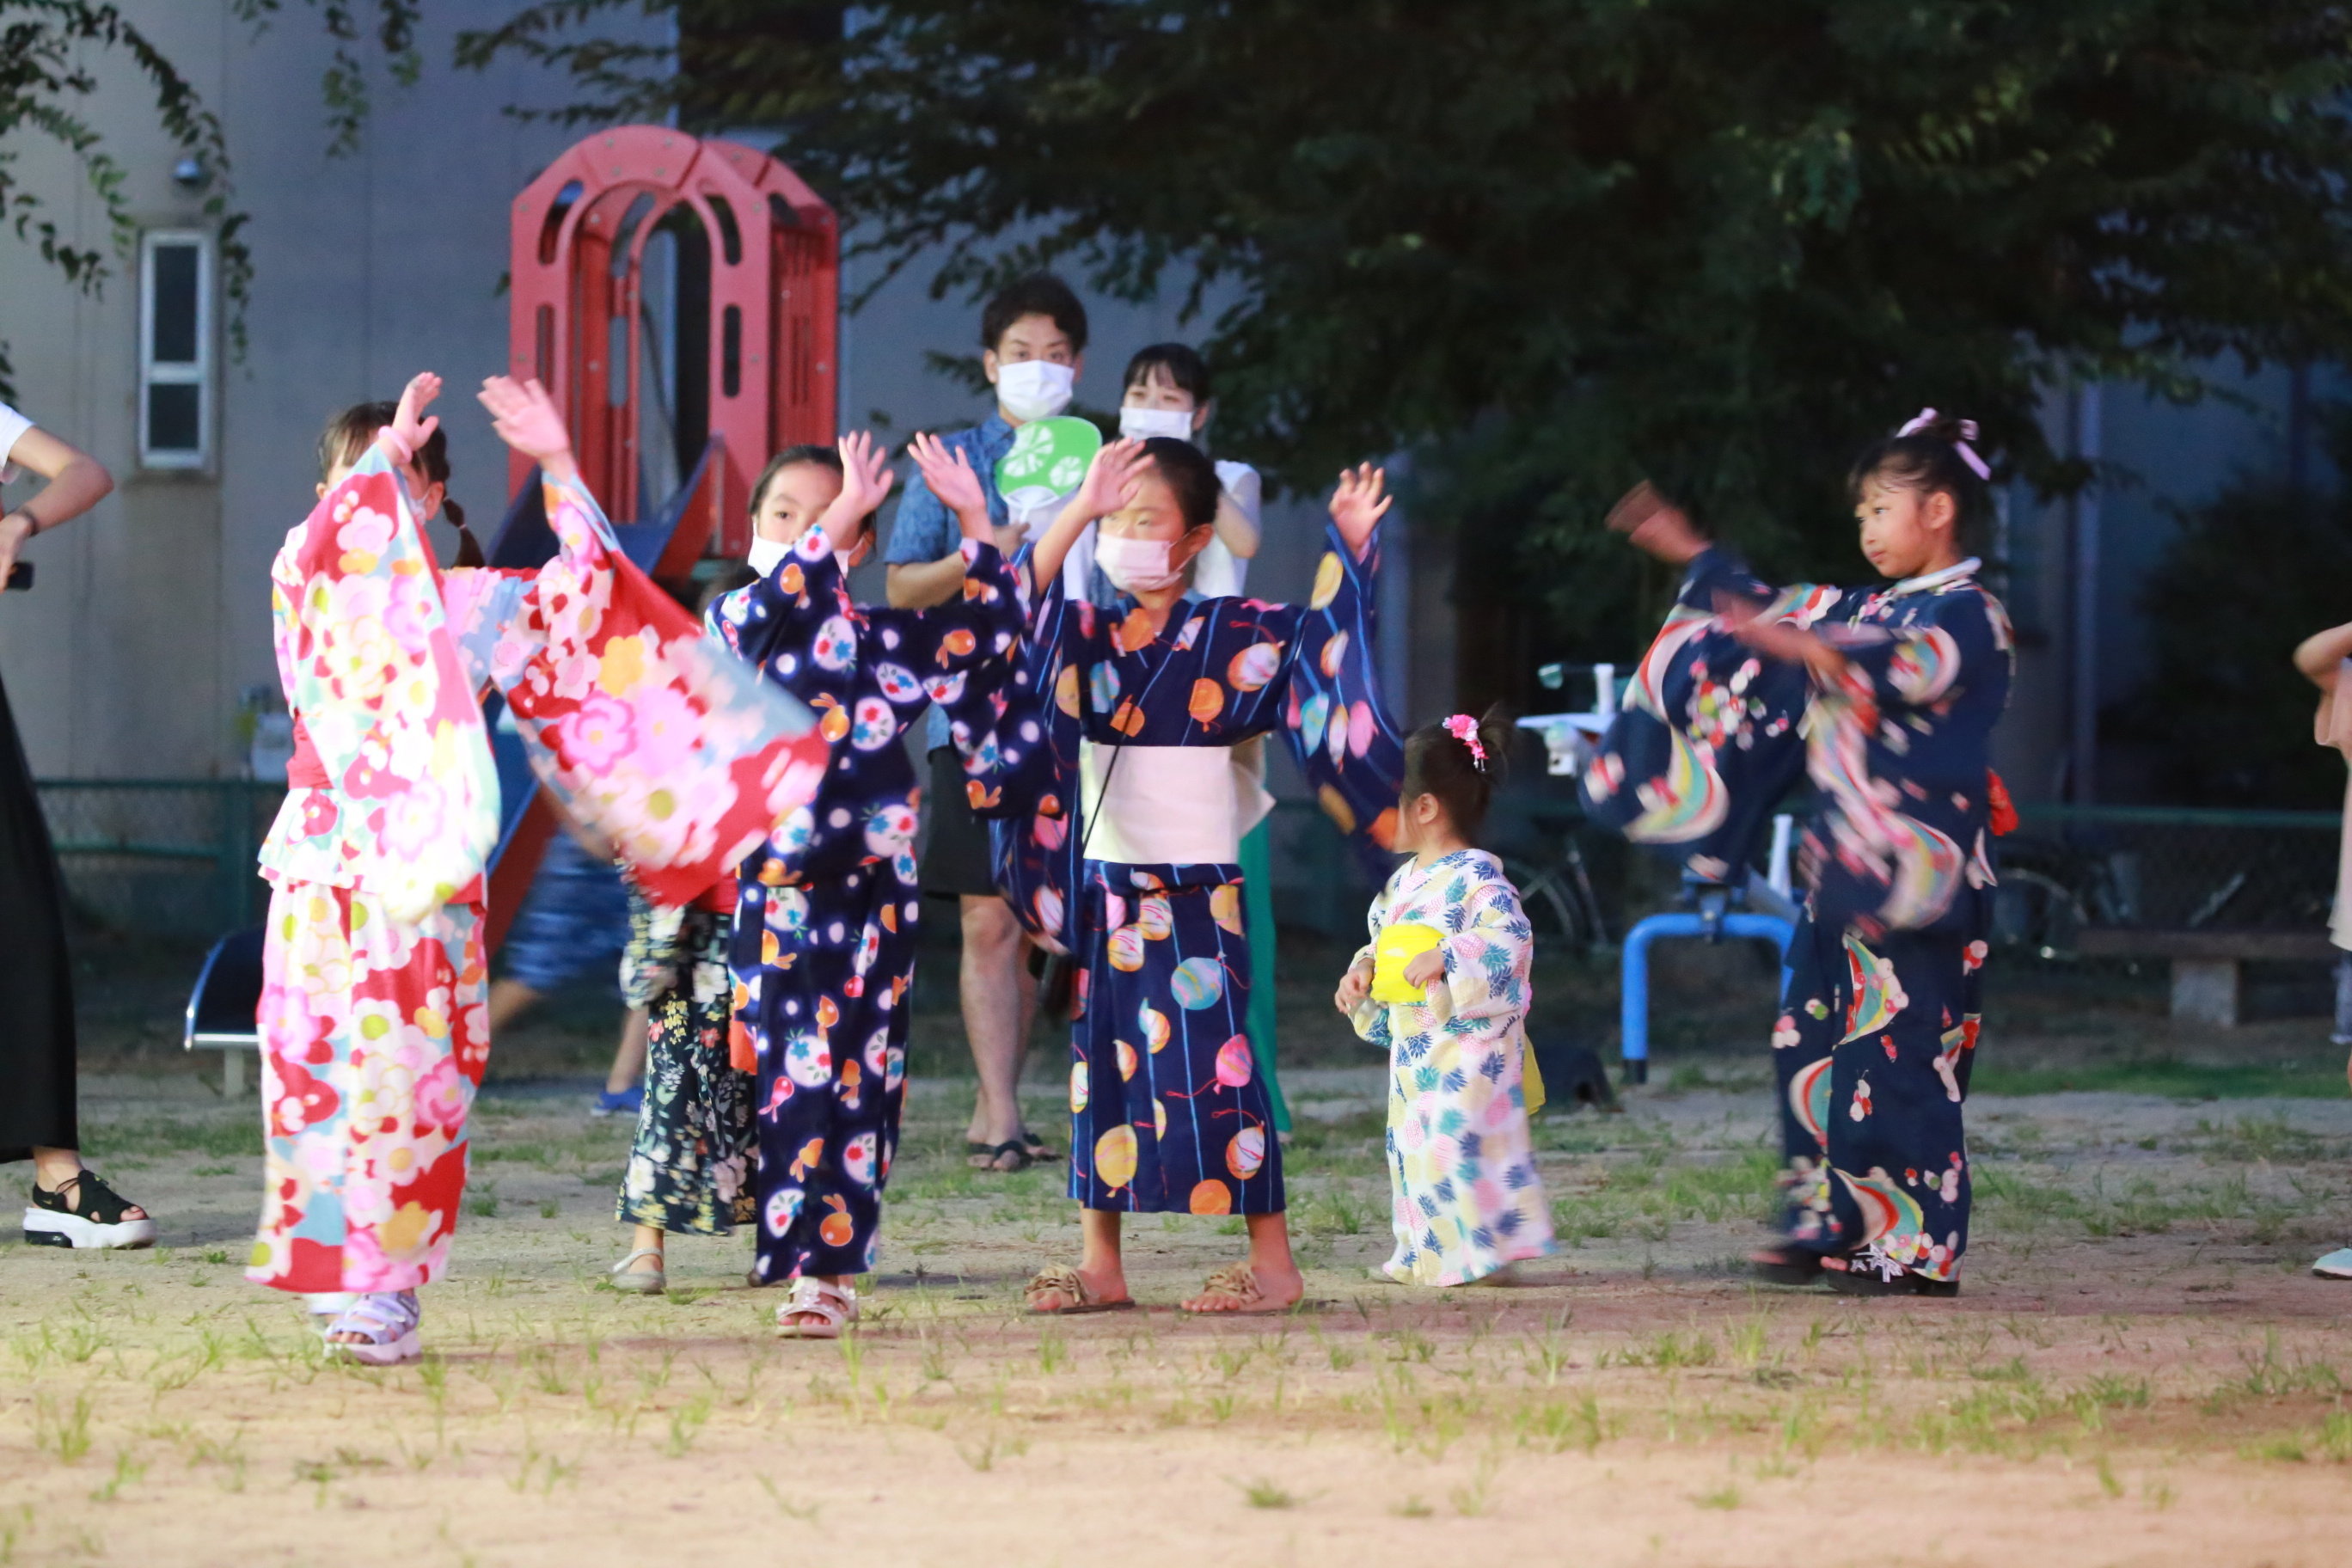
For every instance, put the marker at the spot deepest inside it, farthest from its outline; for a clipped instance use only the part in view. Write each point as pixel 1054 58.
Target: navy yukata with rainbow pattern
pixel 1168 1110
pixel 824 951
pixel 1879 1012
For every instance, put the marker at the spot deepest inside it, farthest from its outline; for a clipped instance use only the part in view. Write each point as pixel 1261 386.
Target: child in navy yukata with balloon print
pixel 1113 769
pixel 824 949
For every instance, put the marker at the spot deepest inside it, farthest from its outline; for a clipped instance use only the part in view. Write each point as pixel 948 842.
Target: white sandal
pixel 831 1305
pixel 388 1319
pixel 642 1282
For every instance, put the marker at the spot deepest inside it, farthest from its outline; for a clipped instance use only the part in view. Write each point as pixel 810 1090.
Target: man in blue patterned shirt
pixel 1034 338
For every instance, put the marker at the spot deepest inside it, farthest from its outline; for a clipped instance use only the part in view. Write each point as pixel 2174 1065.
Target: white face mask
pixel 767 554
pixel 1137 565
pixel 1142 424
pixel 1035 389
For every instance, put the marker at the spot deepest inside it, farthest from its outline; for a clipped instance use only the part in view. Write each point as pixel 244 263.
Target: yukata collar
pixel 995 430
pixel 1927 580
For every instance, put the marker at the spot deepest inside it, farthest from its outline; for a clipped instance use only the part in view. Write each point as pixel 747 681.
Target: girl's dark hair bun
pixel 1440 762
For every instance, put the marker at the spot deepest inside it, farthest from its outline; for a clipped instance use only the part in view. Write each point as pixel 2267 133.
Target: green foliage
pixel 1562 243
pixel 2226 714
pixel 47 50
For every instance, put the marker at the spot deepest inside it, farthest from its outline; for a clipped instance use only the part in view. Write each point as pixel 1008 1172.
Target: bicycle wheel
pixel 1546 900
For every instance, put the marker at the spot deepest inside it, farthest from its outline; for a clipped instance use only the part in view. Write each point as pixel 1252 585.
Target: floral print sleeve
pixel 1370 1018
pixel 643 729
pixel 396 794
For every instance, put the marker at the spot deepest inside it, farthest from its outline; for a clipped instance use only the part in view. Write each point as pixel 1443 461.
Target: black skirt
pixel 36 1014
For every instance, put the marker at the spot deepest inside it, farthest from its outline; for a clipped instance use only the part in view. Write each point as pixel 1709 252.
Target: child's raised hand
pixel 1354 987
pixel 1359 504
pixel 1424 970
pixel 1655 525
pixel 1110 479
pixel 865 476
pixel 409 428
pixel 526 419
pixel 949 474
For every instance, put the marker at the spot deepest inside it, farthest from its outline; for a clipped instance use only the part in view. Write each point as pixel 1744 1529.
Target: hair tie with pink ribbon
pixel 1928 416
pixel 1465 729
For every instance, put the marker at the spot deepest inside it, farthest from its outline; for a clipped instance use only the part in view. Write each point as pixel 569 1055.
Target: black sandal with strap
pixel 994 1164
pixel 93 1216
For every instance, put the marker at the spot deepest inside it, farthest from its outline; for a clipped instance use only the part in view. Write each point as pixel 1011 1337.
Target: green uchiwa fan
pixel 1047 465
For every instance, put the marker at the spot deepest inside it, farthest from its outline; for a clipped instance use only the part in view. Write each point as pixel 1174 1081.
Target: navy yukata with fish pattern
pixel 1880 1008
pixel 824 951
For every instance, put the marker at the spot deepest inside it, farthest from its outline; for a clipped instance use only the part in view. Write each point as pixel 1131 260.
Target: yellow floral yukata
pixel 1465 1200
pixel 373 1019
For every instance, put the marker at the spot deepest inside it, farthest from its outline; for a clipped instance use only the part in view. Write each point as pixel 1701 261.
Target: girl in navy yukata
pixel 824 948
pixel 1121 811
pixel 1903 682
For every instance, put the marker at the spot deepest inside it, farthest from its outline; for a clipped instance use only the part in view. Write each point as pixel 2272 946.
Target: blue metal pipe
pixel 1634 973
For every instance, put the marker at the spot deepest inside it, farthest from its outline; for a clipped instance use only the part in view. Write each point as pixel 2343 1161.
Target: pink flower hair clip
pixel 1465 729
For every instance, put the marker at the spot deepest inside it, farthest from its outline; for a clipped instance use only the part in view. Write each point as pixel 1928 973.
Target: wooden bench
pixel 2208 965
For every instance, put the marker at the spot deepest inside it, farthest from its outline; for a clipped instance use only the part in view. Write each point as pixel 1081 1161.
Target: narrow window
pixel 175 331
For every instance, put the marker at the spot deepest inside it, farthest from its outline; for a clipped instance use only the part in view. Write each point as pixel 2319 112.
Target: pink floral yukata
pixel 374 1017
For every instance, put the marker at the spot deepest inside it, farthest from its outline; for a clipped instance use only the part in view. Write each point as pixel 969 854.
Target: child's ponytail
pixel 469 549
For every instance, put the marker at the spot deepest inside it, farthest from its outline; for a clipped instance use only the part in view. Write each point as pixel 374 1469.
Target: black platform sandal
pixel 1786 1265
pixel 1868 1280
pixel 92 1216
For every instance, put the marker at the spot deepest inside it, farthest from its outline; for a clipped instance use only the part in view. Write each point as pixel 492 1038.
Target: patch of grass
pixel 1263 1493
pixel 219 1137
pixel 2177 1079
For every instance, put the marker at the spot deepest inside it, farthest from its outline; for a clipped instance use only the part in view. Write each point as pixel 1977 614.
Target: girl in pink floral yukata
pixel 373 1019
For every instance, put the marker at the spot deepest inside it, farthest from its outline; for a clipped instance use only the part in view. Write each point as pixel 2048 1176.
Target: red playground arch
pixel 752 336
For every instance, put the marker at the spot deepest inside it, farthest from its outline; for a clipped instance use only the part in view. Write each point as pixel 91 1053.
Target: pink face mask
pixel 1137 565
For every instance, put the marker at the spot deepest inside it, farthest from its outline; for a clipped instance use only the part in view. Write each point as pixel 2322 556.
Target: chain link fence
pixel 2071 868
pixel 166 856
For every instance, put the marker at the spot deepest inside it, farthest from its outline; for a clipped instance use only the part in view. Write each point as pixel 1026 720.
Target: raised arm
pixel 1240 497
pixel 2320 656
pixel 1110 479
pixel 78 482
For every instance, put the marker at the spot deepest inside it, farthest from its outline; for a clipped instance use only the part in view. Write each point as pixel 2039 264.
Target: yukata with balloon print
pixel 1168 1112
pixel 1461 1172
pixel 824 951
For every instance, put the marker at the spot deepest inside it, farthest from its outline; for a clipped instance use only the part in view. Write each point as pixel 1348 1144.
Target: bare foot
pixel 1248 1288
pixel 1061 1288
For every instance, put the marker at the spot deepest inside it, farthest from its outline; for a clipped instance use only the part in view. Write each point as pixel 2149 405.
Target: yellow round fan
pixel 1399 945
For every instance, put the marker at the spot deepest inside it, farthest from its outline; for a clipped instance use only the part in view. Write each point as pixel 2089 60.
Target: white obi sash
pixel 1175 805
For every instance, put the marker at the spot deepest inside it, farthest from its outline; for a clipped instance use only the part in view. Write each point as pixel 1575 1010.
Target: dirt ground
pixel 2140 1369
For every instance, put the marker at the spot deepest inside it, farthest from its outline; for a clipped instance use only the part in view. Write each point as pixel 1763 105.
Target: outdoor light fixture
pixel 190 174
